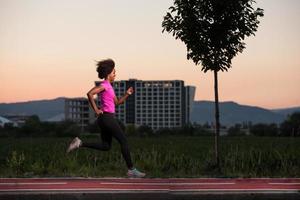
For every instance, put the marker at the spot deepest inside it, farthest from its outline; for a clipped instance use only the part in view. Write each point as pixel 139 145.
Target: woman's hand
pixel 130 91
pixel 99 112
pixel 123 98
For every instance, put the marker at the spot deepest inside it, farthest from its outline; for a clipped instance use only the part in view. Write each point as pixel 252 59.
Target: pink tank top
pixel 107 97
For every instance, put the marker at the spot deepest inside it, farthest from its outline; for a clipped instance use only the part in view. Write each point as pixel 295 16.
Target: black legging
pixel 111 128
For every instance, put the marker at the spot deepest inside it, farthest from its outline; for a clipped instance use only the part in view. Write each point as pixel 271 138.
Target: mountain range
pixel 45 109
pixel 202 111
pixel 232 113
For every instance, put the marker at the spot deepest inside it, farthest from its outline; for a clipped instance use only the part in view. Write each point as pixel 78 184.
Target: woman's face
pixel 111 77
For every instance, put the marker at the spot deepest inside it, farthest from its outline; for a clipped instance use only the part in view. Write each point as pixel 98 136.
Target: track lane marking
pixel 170 190
pixel 284 183
pixel 35 183
pixel 115 183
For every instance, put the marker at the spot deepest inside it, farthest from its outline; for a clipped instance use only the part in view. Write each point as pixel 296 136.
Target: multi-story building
pixel 79 111
pixel 189 99
pixel 158 104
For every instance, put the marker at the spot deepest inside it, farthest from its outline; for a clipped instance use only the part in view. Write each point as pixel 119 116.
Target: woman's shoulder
pixel 106 85
pixel 103 84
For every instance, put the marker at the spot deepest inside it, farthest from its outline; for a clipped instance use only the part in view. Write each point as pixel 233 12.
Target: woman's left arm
pixel 123 98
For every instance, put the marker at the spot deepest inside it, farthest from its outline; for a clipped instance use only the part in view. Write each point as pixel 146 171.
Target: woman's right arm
pixel 90 94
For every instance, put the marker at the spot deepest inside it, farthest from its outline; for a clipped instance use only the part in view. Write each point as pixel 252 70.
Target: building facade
pixel 156 103
pixel 79 111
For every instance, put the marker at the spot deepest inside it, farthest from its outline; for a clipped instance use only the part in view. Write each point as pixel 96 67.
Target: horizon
pixel 48 49
pixel 193 101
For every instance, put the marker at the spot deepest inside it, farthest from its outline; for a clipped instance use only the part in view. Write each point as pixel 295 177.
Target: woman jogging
pixel 106 116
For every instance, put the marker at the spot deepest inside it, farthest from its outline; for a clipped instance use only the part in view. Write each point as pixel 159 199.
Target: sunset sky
pixel 48 49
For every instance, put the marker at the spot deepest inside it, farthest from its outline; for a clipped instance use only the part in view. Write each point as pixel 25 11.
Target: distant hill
pixel 45 109
pixel 287 111
pixel 202 112
pixel 231 113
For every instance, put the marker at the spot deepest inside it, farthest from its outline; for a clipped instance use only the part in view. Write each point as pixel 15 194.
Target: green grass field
pixel 166 156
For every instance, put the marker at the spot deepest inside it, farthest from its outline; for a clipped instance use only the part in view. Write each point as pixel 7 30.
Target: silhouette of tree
pixel 32 126
pixel 213 32
pixel 291 126
pixel 262 129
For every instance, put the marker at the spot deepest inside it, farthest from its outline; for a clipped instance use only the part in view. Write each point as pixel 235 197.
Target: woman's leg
pixel 106 138
pixel 112 125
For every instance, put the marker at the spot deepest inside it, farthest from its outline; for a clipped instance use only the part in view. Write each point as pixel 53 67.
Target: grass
pixel 165 156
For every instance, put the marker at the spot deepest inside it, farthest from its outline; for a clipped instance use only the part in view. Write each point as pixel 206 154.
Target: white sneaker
pixel 134 173
pixel 75 144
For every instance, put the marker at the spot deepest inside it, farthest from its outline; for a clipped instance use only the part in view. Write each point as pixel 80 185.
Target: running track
pixel 183 186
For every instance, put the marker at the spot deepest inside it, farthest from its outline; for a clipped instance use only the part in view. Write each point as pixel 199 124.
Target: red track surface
pixel 132 185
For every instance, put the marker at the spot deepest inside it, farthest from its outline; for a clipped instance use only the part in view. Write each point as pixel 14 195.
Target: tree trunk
pixel 217 118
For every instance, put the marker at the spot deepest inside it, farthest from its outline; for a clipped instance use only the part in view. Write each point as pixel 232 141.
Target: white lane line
pixel 238 190
pixel 83 189
pixel 157 190
pixel 35 183
pixel 116 183
pixel 284 183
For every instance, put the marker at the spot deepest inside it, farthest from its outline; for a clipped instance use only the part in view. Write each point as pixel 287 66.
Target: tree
pixel 261 129
pixel 213 32
pixel 291 126
pixel 32 126
pixel 236 130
